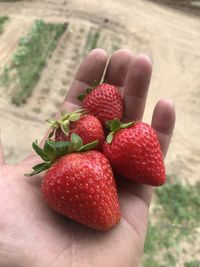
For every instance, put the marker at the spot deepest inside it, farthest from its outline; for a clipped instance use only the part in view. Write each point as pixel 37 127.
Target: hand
pixel 33 235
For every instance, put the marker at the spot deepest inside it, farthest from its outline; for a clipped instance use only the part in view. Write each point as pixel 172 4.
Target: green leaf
pixel 126 125
pixel 108 124
pixel 61 148
pixel 39 168
pixel 115 125
pixel 50 122
pixel 80 111
pixel 62 113
pixel 51 133
pixel 65 127
pixel 49 149
pixel 88 90
pixel 40 165
pixel 76 142
pixel 75 117
pixel 89 146
pixel 81 97
pixel 95 83
pixel 64 116
pixel 40 151
pixel 109 137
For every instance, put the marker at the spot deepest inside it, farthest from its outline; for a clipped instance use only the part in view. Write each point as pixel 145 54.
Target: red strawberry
pixel 135 153
pixel 87 127
pixel 81 186
pixel 104 102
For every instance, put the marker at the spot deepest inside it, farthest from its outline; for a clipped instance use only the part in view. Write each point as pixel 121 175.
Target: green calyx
pixel 64 121
pixel 53 150
pixel 87 91
pixel 114 126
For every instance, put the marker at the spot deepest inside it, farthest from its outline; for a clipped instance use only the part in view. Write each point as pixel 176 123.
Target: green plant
pixel 193 263
pixel 5 77
pixel 176 209
pixel 31 56
pixel 170 259
pixel 180 203
pixel 3 19
pixel 92 40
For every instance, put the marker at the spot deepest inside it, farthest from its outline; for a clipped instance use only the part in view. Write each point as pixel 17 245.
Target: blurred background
pixel 41 46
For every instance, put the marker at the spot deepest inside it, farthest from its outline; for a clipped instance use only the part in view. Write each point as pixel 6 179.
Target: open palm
pixel 33 235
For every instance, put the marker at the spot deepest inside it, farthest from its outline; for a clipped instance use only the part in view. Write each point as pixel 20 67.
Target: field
pixel 41 46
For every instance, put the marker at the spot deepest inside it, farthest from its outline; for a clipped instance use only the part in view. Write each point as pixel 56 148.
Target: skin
pixel 33 235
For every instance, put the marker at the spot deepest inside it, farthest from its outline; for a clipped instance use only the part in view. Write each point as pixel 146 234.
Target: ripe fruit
pixel 104 102
pixel 86 126
pixel 79 185
pixel 135 153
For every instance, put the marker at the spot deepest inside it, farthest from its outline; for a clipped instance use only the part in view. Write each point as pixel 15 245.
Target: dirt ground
pixel 171 39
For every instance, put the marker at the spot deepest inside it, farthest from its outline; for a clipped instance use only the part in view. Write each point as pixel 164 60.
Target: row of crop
pixel 176 224
pixel 3 20
pixel 30 57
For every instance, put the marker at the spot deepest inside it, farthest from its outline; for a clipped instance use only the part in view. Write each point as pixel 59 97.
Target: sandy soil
pixel 169 37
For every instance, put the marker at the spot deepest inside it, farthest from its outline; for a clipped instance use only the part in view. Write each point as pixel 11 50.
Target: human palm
pixel 31 234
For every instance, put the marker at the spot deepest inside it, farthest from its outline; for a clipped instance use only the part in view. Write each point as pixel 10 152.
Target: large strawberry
pixel 79 185
pixel 104 102
pixel 134 151
pixel 84 125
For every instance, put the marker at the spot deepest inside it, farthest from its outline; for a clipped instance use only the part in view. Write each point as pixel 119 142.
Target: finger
pixel 2 161
pixel 136 87
pixel 163 122
pixel 117 68
pixel 90 70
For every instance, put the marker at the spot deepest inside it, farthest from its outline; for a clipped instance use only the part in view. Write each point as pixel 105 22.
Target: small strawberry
pixel 104 102
pixel 86 126
pixel 79 185
pixel 134 152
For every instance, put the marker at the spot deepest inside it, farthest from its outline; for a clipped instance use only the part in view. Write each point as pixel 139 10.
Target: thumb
pixel 2 161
